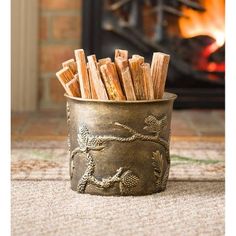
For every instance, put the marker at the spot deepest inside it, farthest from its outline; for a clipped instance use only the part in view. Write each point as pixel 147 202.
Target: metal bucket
pixel 119 147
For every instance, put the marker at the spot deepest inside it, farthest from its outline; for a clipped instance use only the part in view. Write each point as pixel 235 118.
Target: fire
pixel 210 22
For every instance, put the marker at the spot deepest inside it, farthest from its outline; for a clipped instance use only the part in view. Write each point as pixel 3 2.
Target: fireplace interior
pixel 192 32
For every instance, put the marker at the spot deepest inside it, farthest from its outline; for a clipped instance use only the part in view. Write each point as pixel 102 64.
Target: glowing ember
pixel 212 66
pixel 210 22
pixel 204 64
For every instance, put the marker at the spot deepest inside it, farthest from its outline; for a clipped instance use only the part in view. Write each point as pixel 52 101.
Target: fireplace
pixel 192 32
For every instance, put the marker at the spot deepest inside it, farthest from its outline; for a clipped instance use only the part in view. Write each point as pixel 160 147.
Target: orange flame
pixel 210 22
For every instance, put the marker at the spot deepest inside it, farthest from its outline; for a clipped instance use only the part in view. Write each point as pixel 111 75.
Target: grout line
pixel 65 42
pixel 72 12
pixel 47 75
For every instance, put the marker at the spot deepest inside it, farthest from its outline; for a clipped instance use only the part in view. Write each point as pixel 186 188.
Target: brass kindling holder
pixel 119 147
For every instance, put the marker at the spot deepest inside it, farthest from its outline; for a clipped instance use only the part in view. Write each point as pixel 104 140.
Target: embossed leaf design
pixel 83 136
pixel 157 163
pixel 83 132
pixel 155 125
pixel 165 178
pixel 163 121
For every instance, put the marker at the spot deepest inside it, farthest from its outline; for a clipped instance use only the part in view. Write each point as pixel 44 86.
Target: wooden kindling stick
pixel 123 79
pixel 140 58
pixel 148 83
pixel 159 69
pixel 65 75
pixel 96 78
pixel 103 61
pixel 121 53
pixel 137 77
pixel 73 87
pixel 111 81
pixel 71 64
pixel 82 73
pixel 123 70
pixel 92 88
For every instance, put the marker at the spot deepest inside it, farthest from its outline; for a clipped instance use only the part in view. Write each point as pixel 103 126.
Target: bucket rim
pixel 167 97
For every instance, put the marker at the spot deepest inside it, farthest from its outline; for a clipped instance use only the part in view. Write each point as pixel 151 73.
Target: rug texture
pixel 51 208
pixel 43 204
pixel 199 161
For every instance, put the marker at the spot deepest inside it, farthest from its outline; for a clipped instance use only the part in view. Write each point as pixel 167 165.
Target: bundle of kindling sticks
pixel 124 79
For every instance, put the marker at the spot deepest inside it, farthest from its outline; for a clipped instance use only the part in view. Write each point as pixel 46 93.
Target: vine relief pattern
pixel 158 166
pixel 68 123
pixel 126 179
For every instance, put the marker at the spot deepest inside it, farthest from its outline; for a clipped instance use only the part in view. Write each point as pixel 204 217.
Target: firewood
pixel 123 70
pixel 111 81
pixel 159 69
pixel 121 53
pixel 103 61
pixel 137 77
pixel 65 75
pixel 115 6
pixel 130 79
pixel 93 92
pixel 82 72
pixel 140 58
pixel 96 78
pixel 194 5
pixel 148 83
pixel 71 64
pixel 73 87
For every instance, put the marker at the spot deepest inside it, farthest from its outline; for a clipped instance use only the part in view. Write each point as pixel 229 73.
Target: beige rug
pixel 43 204
pixel 195 161
pixel 51 208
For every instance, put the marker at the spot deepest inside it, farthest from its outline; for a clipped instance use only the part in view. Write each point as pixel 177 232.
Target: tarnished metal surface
pixel 119 148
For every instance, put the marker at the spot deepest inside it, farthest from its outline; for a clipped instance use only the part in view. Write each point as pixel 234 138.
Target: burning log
pixel 115 6
pixel 218 56
pixel 168 9
pixel 194 5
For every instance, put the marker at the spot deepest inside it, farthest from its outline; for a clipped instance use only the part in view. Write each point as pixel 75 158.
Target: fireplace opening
pixel 191 31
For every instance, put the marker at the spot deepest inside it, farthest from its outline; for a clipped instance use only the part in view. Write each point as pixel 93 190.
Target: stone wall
pixel 60 34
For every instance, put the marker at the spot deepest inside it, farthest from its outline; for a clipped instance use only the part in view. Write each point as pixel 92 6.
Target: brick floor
pixel 52 125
